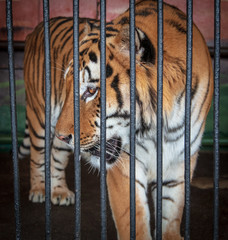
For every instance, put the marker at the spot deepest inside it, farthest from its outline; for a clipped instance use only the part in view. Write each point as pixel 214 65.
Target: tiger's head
pixel 117 92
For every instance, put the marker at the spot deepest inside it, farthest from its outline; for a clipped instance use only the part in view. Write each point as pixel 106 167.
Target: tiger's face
pixel 117 98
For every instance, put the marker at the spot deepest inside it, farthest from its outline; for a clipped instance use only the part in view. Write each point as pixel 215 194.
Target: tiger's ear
pixel 144 48
pixel 89 26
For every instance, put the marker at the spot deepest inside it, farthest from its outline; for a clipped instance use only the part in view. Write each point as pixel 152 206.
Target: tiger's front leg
pixel 60 194
pixel 173 194
pixel 118 183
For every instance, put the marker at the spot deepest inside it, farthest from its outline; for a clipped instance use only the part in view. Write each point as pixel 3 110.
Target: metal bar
pixel 188 119
pixel 9 23
pixel 103 120
pixel 159 120
pixel 216 117
pixel 47 120
pixel 77 162
pixel 132 120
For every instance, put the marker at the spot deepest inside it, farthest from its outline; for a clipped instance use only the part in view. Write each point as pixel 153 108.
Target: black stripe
pixel 38 165
pixel 88 70
pixel 109 71
pixel 56 160
pixel 166 139
pixel 96 124
pixel 204 99
pixel 34 131
pixel 140 183
pixel 180 96
pixel 54 69
pixel 195 87
pixel 124 20
pixel 26 135
pixel 34 64
pixel 153 186
pixel 168 184
pixel 93 34
pixel 65 42
pixel 94 80
pixel 142 146
pixel 38 80
pixel 62 81
pixel 124 115
pixel 145 169
pixel 145 12
pixel 84 41
pixel 171 183
pixel 81 32
pixel 111 45
pixel 143 126
pixel 84 51
pixel 59 169
pixel 197 135
pixel 43 85
pixel 110 35
pixel 64 20
pixel 57 36
pixel 153 98
pixel 168 199
pixel 27 147
pixel 111 29
pixel 39 149
pixel 115 86
pixel 177 128
pixel 67 57
pixel 176 25
pixel 69 30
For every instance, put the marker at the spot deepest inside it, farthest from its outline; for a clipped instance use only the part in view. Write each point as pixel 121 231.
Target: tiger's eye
pixel 91 90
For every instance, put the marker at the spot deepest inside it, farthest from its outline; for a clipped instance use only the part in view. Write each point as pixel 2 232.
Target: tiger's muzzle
pixel 113 150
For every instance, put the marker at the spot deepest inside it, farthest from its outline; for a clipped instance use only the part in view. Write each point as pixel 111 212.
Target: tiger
pixel 61 51
pixel 118 112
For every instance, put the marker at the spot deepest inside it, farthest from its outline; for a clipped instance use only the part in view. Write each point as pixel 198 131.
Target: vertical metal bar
pixel 216 117
pixel 188 119
pixel 103 120
pixel 47 119
pixel 9 23
pixel 132 120
pixel 159 119
pixel 77 163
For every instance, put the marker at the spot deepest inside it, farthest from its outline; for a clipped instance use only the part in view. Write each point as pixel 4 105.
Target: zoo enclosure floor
pixel 62 218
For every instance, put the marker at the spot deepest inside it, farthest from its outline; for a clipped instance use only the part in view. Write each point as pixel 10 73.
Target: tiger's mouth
pixel 113 149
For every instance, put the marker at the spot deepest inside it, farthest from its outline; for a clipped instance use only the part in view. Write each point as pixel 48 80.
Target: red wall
pixel 28 13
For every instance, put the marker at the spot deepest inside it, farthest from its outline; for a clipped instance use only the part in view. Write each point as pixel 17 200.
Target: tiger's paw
pixel 37 195
pixel 62 196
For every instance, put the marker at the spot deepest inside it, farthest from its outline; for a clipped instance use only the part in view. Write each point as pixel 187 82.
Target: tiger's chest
pixel 173 141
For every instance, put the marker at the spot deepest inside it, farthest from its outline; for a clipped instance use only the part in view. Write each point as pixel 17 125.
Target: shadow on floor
pixel 62 220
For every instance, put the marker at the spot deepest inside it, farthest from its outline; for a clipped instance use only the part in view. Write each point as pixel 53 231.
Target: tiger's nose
pixel 65 139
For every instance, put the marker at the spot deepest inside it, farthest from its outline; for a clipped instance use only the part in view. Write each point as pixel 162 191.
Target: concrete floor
pixel 33 215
